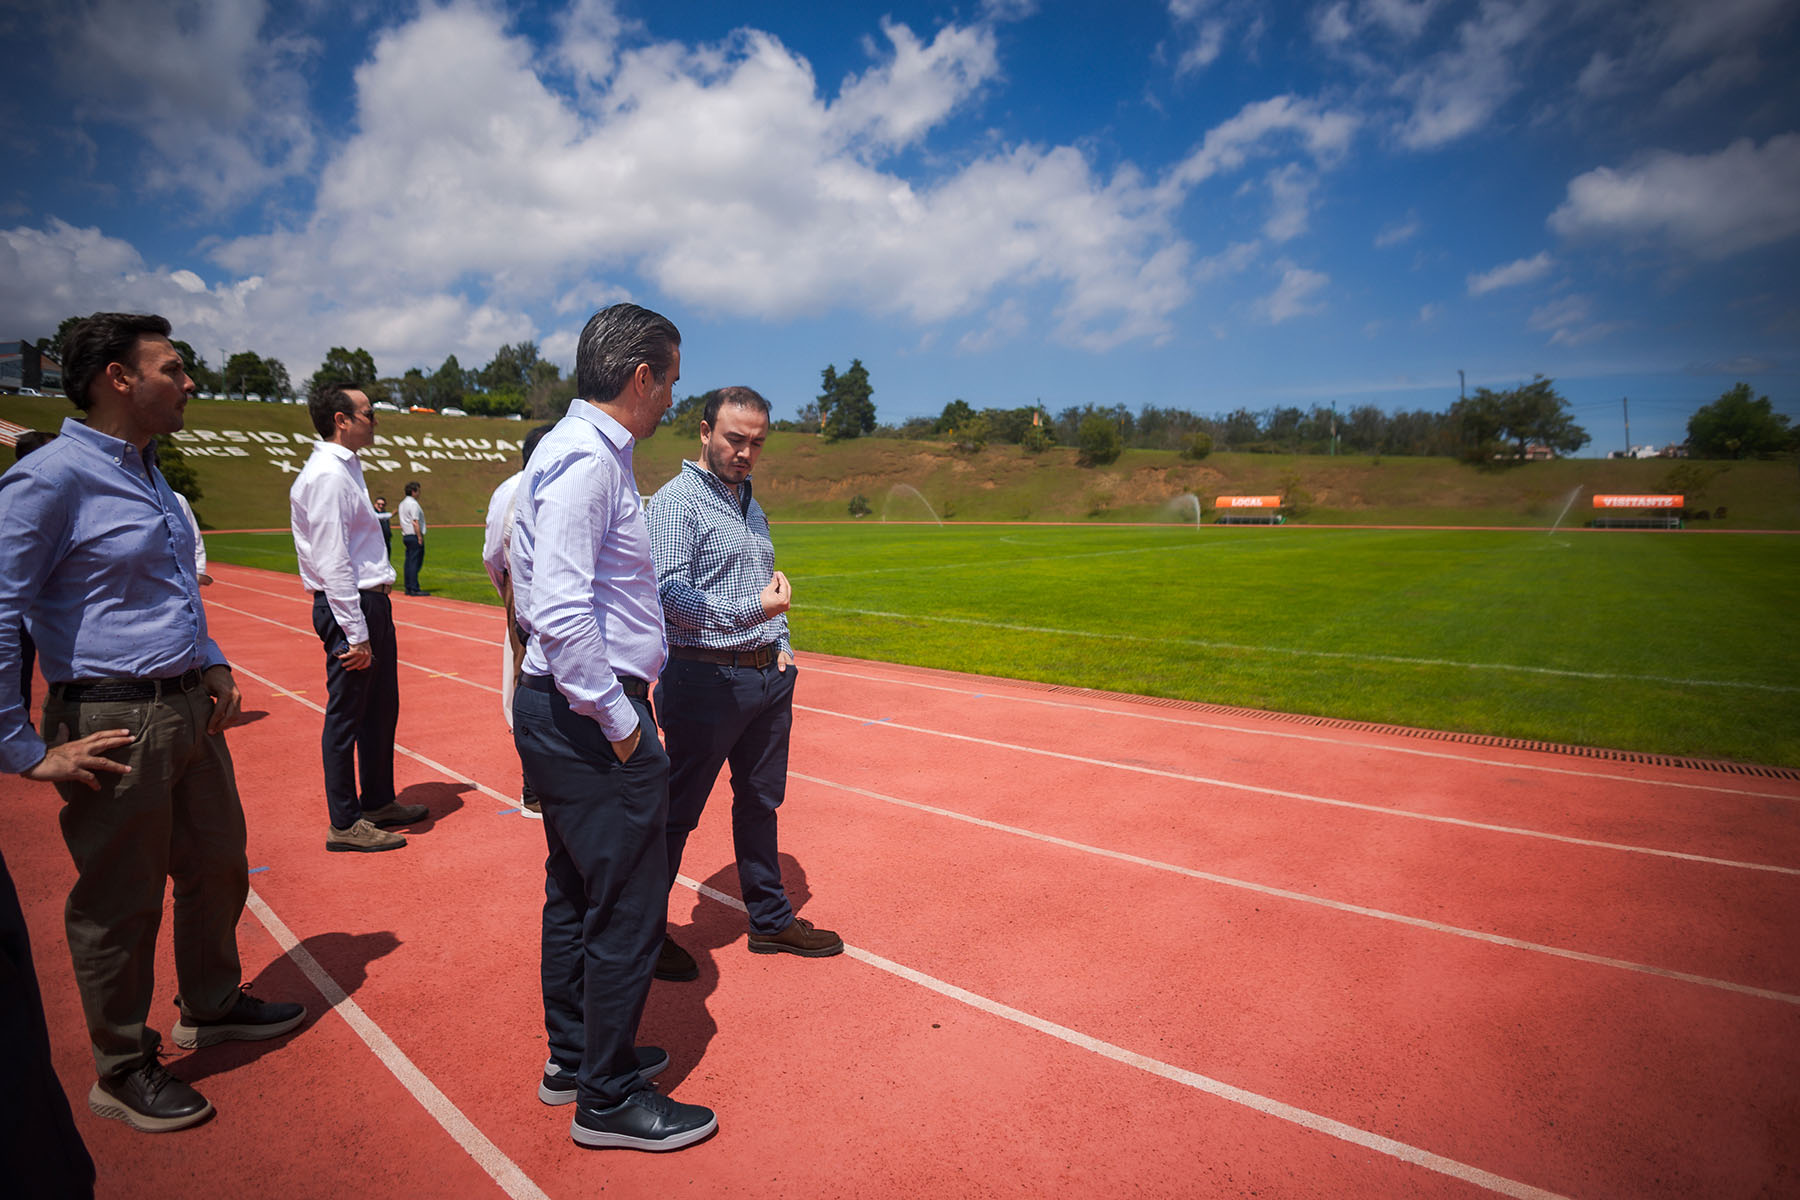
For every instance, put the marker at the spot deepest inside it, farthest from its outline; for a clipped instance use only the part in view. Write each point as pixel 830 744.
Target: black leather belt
pixel 759 658
pixel 380 589
pixel 636 688
pixel 127 689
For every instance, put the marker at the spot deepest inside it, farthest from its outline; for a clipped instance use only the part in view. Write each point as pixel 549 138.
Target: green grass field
pixel 1674 644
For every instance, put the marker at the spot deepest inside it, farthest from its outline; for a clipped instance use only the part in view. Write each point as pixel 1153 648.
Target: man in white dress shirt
pixel 496 557
pixel 344 565
pixel 412 538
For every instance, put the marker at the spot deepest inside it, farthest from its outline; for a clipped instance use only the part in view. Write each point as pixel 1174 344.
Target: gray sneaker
pixel 362 837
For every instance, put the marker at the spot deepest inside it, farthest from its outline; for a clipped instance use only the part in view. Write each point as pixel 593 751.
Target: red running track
pixel 1097 948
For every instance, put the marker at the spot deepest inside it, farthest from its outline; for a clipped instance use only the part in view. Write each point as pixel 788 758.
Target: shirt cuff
pixel 619 718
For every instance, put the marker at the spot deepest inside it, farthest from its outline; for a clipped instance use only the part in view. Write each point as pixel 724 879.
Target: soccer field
pixel 1664 643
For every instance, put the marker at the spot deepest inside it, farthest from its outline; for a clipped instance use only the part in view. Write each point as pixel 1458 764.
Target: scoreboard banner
pixel 1638 501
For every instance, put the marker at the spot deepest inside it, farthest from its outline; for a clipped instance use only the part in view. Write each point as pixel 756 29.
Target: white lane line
pixel 1345 655
pixel 1322 902
pixel 434 764
pixel 398 624
pixel 501 1169
pixel 1257 789
pixel 1323 739
pixel 450 675
pixel 1202 1083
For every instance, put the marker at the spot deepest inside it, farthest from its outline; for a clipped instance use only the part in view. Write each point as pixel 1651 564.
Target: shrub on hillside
pixel 1099 441
pixel 1196 446
pixel 859 505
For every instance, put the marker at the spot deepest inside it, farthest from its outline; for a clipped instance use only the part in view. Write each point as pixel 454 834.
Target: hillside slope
pixel 245 455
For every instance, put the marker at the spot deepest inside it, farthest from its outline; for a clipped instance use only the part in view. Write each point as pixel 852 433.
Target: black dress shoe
pixel 674 963
pixel 644 1120
pixel 149 1099
pixel 559 1086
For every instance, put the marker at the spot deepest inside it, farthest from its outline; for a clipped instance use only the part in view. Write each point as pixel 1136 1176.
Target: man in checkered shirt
pixel 727 692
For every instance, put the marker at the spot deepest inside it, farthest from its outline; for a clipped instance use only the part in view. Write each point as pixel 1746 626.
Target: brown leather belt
pixel 758 658
pixel 126 689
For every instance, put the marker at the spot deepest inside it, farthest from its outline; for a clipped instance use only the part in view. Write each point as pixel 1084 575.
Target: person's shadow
pixel 676 1017
pixel 440 797
pixel 344 956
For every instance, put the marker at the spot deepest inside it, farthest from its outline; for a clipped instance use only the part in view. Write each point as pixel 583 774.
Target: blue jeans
pixel 606 884
pixel 715 714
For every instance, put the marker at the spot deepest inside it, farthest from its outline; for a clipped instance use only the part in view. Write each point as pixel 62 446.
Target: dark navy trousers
pixel 414 559
pixel 714 714
pixel 606 884
pixel 362 710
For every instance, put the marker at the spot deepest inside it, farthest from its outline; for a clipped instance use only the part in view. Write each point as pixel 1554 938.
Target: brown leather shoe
pixel 363 838
pixel 798 938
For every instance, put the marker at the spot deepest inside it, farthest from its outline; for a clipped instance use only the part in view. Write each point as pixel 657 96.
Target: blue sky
pixel 1203 204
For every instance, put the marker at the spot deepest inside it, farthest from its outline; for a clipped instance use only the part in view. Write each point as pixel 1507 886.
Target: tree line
pixel 1478 428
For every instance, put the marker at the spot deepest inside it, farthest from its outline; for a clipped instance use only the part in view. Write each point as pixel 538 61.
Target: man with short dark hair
pixel 95 554
pixel 387 524
pixel 412 538
pixel 727 693
pixel 345 567
pixel 584 587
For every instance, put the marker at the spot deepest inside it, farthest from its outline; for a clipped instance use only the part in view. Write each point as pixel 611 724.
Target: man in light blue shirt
pixel 584 592
pixel 98 559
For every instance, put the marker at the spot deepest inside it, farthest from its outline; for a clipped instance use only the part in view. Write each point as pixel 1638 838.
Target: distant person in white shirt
pixel 343 564
pixel 495 556
pixel 412 536
pixel 199 541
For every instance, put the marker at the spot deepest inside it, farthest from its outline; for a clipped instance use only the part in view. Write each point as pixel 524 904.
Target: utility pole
pixel 1334 428
pixel 1626 402
pixel 1462 389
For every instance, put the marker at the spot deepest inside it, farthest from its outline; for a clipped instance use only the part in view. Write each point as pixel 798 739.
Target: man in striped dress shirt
pixel 727 692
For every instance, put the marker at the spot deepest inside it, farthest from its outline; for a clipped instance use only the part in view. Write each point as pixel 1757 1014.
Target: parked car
pixel 453 412
pixel 384 406
pixel 420 408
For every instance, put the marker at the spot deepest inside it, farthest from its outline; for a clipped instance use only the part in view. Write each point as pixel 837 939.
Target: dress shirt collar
pixel 336 451
pixel 114 448
pixel 600 419
pixel 739 499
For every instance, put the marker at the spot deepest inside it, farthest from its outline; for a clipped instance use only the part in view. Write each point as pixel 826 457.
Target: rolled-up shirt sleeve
pixel 573 515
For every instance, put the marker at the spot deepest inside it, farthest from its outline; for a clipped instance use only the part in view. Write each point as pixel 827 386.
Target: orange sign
pixel 1247 502
pixel 1638 501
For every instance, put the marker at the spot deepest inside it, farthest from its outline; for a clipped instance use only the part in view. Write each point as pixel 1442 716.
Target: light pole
pixel 1462 392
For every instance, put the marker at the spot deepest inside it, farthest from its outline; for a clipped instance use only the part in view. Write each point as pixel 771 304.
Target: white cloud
pixel 1205 31
pixel 1524 270
pixel 1006 322
pixel 1711 48
pixel 1291 189
pixel 1232 260
pixel 895 103
pixel 220 99
pixel 1569 321
pixel 468 192
pixel 1429 313
pixel 1708 205
pixel 1293 296
pixel 1398 232
pixel 1261 125
pixel 1458 91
